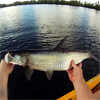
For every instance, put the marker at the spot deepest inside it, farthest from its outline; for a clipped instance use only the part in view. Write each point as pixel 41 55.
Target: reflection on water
pixel 43 27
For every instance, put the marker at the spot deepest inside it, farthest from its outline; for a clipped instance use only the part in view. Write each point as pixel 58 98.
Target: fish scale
pixel 54 61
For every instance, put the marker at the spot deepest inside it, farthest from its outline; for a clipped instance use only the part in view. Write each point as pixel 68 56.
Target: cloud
pixel 9 1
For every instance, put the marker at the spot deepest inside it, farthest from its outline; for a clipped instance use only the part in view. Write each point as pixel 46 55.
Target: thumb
pixel 73 64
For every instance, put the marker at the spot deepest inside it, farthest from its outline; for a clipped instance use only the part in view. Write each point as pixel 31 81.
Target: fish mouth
pixel 17 59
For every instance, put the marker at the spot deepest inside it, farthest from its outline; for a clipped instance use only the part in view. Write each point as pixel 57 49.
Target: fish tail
pixel 92 56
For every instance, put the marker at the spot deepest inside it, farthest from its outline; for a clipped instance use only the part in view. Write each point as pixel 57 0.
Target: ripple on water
pixel 44 28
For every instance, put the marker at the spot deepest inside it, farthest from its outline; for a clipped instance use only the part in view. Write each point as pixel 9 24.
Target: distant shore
pixel 62 2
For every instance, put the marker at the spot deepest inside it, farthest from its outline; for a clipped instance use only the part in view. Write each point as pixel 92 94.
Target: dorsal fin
pixel 61 44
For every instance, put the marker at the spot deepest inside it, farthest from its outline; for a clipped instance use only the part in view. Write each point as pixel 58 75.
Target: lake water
pixel 43 27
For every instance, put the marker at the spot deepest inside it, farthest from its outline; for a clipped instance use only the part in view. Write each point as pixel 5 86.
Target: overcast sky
pixel 10 1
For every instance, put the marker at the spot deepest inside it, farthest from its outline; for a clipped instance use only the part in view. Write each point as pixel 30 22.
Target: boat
pixel 94 85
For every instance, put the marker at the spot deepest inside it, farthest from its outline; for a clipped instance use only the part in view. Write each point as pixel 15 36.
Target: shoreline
pixel 70 3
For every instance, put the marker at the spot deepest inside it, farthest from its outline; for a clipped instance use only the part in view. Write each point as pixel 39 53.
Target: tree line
pixel 61 2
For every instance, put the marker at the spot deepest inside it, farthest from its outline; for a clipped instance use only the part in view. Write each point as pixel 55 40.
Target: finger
pixel 11 65
pixel 80 65
pixel 70 75
pixel 3 61
pixel 82 71
pixel 69 71
pixel 73 64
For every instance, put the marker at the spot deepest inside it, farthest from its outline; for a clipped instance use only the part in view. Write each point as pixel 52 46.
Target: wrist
pixel 79 80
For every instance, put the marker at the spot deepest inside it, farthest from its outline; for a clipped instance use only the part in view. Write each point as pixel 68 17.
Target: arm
pixel 3 86
pixel 97 94
pixel 83 91
pixel 5 70
pixel 81 88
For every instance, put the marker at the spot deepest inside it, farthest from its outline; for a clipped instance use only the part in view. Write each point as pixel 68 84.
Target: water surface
pixel 43 27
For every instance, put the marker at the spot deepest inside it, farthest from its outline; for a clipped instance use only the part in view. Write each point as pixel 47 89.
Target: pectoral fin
pixel 28 72
pixel 49 74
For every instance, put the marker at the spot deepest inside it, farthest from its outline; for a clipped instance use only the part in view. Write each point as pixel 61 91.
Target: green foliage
pixel 97 6
pixel 17 3
pixel 89 5
pixel 62 2
pixel 76 3
pixel 3 5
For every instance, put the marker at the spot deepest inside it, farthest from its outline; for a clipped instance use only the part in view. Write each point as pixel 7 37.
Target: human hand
pixel 6 68
pixel 75 74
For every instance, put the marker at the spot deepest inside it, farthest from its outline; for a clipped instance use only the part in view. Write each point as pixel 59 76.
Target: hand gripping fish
pixel 47 61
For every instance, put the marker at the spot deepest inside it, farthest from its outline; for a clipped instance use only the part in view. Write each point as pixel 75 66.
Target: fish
pixel 46 60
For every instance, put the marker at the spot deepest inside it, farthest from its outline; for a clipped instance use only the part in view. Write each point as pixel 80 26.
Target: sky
pixel 11 1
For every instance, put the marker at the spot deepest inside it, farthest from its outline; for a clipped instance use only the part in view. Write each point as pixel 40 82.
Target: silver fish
pixel 47 61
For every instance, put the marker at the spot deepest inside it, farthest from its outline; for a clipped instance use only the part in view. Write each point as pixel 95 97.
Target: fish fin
pixel 92 56
pixel 61 44
pixel 28 72
pixel 49 74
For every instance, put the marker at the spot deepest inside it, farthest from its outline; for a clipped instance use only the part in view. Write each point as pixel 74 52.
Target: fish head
pixel 17 59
